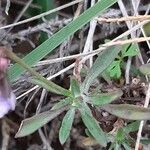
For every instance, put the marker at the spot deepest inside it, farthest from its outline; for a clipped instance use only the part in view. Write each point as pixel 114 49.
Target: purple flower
pixel 7 104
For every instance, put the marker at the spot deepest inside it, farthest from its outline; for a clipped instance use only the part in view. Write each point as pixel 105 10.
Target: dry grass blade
pixel 122 19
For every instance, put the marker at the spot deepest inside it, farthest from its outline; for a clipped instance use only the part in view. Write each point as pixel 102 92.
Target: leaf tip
pixel 17 135
pixel 145 69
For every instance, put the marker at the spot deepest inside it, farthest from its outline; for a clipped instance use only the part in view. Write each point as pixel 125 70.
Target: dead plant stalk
pixel 122 19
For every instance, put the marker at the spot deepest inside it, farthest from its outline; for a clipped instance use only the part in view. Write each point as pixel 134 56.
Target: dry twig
pixel 122 19
pixel 42 14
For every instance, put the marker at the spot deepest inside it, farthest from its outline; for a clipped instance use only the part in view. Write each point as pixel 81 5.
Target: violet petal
pixel 12 101
pixel 7 104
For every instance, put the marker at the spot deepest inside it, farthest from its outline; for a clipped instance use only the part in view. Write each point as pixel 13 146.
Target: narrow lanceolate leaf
pixel 39 78
pixel 31 124
pixel 55 40
pixel 103 98
pixel 50 86
pixel 102 62
pixel 132 127
pixel 126 146
pixel 127 111
pixel 145 69
pixel 75 88
pixel 93 127
pixel 66 125
pixel 63 103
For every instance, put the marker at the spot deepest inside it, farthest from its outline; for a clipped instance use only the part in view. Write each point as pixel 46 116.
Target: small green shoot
pixel 114 70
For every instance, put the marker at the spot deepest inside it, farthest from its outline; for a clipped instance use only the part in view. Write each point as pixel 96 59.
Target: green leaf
pixel 49 45
pixel 132 127
pixel 147 29
pixel 63 103
pixel 94 128
pixel 120 137
pixel 66 125
pixel 86 108
pixel 117 146
pixel 112 146
pixel 41 6
pixel 31 124
pixel 114 70
pixel 46 5
pixel 145 69
pixel 75 88
pixel 126 146
pixel 102 62
pixel 127 111
pixel 38 77
pixel 106 77
pixel 145 141
pixel 130 51
pixel 48 86
pixel 30 12
pixel 103 98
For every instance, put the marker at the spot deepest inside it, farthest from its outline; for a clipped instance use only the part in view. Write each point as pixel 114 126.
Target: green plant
pixel 121 138
pixel 78 97
pixel 114 70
